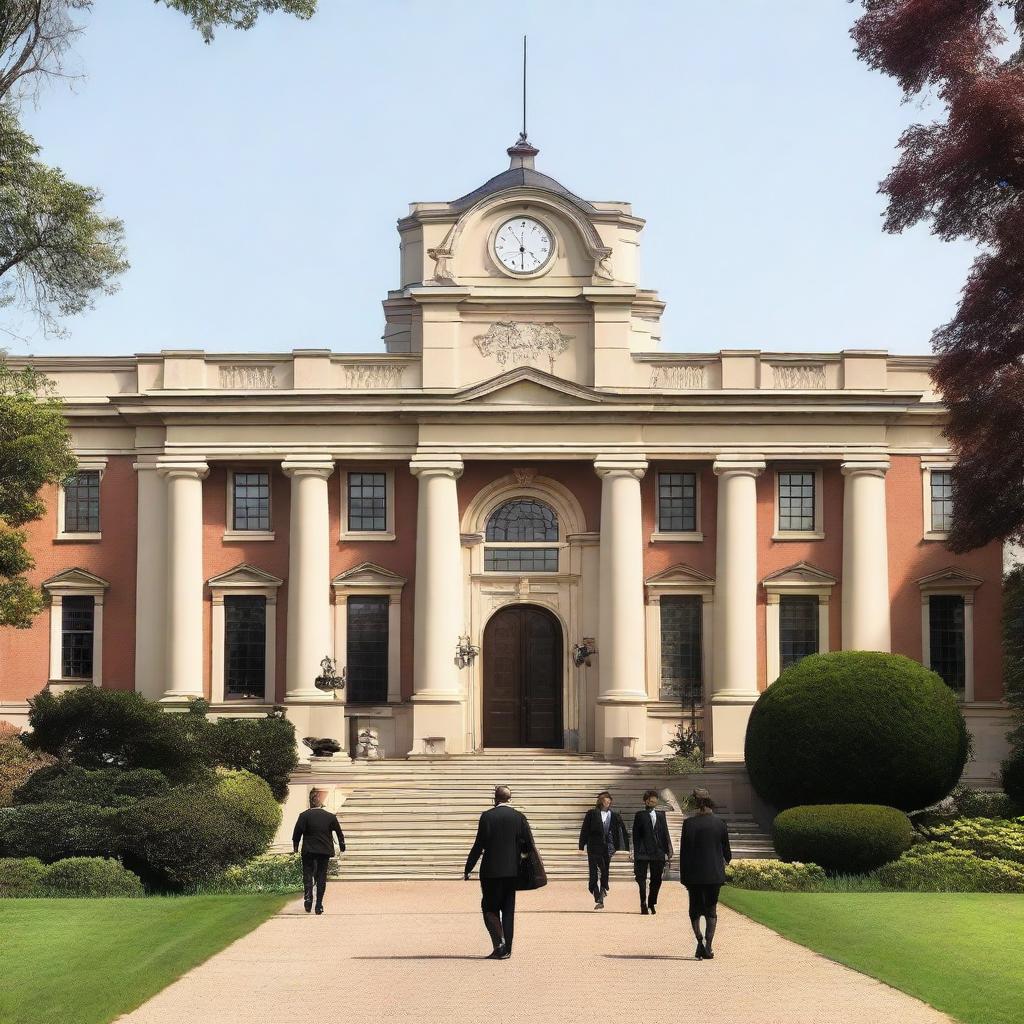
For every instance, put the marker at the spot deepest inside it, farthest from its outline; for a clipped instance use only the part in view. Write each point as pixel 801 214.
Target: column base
pixel 621 725
pixel 438 725
pixel 180 700
pixel 729 716
pixel 317 717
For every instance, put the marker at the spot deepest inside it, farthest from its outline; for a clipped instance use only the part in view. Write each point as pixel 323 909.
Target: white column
pixel 621 628
pixel 184 595
pixel 865 557
pixel 309 578
pixel 733 688
pixel 150 581
pixel 438 698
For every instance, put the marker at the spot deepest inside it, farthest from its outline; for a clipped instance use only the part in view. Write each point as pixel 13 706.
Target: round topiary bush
pixel 849 839
pixel 856 727
pixel 19 876
pixel 88 876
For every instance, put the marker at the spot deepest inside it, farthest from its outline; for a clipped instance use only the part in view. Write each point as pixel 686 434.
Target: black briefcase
pixel 531 871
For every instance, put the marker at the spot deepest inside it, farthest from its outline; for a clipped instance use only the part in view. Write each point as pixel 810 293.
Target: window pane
pixel 681 674
pixel 76 637
pixel 245 647
pixel 942 499
pixel 367 655
pixel 798 629
pixel 796 501
pixel 677 501
pixel 946 640
pixel 521 559
pixel 252 501
pixel 367 501
pixel 522 520
pixel 82 502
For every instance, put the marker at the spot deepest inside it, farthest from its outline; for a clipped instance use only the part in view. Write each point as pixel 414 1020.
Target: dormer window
pixel 519 537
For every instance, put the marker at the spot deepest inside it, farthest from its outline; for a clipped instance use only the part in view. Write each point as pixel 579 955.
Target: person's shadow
pixel 645 956
pixel 422 956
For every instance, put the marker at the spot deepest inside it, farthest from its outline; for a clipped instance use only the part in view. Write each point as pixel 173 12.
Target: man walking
pixel 704 852
pixel 316 829
pixel 652 850
pixel 602 834
pixel 503 837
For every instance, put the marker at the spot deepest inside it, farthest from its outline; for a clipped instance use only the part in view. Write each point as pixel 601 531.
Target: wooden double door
pixel 522 704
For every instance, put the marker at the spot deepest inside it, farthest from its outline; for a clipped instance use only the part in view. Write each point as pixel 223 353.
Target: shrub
pixel 273 872
pixel 17 762
pixel 856 727
pixel 936 867
pixel 980 803
pixel 842 838
pixel 1012 776
pixel 88 876
pixel 54 831
pixel 987 837
pixel 263 746
pixel 774 875
pixel 19 876
pixel 97 728
pixel 191 834
pixel 103 787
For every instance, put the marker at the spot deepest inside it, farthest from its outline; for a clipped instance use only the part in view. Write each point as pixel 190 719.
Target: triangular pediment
pixel 951 577
pixel 244 575
pixel 76 578
pixel 526 385
pixel 367 574
pixel 801 574
pixel 680 576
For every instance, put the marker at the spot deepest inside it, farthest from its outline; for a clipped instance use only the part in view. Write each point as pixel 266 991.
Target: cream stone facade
pixel 309 504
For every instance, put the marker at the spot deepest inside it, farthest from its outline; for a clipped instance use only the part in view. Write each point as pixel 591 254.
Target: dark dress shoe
pixel 701 953
pixel 307 905
pixel 506 954
pixel 708 955
pixel 653 908
pixel 599 905
pixel 643 909
pixel 319 910
pixel 497 953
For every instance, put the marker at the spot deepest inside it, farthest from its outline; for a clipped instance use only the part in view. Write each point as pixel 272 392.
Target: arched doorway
pixel 522 678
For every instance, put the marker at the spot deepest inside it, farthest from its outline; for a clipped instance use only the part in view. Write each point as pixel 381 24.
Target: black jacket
pixel 704 850
pixel 592 833
pixel 651 842
pixel 315 827
pixel 502 836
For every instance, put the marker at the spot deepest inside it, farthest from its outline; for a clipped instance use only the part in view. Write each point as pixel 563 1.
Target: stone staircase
pixel 417 818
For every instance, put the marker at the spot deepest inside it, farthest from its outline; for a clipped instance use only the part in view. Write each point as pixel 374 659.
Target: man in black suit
pixel 602 834
pixel 652 850
pixel 316 828
pixel 503 836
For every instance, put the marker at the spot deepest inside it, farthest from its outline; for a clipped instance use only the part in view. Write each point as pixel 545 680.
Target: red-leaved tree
pixel 965 177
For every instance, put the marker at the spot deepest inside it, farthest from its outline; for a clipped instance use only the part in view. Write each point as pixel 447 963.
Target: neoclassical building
pixel 521 524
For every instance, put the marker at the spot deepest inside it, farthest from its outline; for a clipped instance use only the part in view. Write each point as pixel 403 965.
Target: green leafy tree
pixel 35 449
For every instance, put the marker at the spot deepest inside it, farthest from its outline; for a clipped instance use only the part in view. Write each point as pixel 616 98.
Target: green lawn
pixel 961 952
pixel 86 961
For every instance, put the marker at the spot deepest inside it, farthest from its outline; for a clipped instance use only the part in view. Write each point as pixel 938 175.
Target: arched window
pixel 516 537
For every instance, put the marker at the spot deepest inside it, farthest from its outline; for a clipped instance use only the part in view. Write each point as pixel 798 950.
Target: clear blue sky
pixel 260 178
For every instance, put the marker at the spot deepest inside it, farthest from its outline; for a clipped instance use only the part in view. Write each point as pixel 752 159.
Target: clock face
pixel 523 245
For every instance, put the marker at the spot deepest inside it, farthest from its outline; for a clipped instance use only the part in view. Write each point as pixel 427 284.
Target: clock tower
pixel 520 273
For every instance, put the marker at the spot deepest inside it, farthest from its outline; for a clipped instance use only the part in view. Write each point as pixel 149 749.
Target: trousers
pixel 657 869
pixel 498 903
pixel 598 862
pixel 314 872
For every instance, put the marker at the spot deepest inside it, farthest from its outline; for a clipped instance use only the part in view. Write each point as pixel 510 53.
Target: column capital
pixel 743 465
pixel 197 469
pixel 866 467
pixel 436 465
pixel 294 466
pixel 621 465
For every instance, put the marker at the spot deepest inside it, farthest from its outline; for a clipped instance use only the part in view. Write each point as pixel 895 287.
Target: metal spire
pixel 522 153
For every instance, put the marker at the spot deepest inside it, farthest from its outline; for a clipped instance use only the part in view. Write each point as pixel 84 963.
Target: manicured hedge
pixel 102 787
pixel 88 876
pixel 844 838
pixel 192 834
pixel 987 837
pixel 774 875
pixel 19 876
pixel 54 831
pixel 936 867
pixel 17 762
pixel 264 746
pixel 856 727
pixel 272 872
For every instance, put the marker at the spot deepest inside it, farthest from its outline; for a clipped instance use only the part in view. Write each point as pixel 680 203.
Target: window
pixel 946 639
pixel 245 647
pixel 681 655
pixel 77 637
pixel 251 502
pixel 367 502
pixel 940 487
pixel 677 502
pixel 82 502
pixel 367 642
pixel 796 501
pixel 521 528
pixel 798 628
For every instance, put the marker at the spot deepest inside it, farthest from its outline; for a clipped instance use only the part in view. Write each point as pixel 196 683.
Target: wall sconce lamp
pixel 465 652
pixel 581 652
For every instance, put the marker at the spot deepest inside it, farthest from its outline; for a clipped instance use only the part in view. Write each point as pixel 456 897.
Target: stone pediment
pixel 803 574
pixel 680 576
pixel 526 385
pixel 75 579
pixel 366 574
pixel 244 575
pixel 950 578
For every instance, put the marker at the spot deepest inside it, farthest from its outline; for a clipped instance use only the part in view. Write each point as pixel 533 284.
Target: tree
pixel 965 177
pixel 35 449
